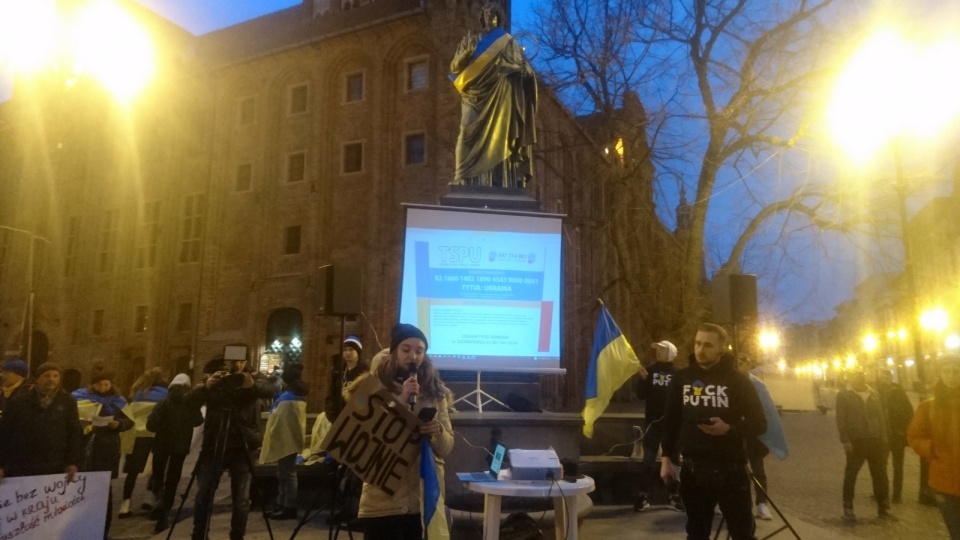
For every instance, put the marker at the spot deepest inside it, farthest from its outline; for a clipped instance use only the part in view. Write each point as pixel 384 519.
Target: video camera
pixel 232 353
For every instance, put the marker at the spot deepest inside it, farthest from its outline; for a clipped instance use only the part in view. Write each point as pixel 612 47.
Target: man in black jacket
pixel 711 410
pixel 653 388
pixel 231 431
pixel 40 430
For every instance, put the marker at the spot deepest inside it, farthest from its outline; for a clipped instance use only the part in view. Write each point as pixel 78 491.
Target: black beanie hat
pixel 403 331
pixel 291 373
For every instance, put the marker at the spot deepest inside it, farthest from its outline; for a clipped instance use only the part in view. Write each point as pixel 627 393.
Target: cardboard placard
pixel 42 507
pixel 375 436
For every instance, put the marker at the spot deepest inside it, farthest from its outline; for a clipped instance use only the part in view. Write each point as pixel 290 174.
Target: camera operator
pixel 231 432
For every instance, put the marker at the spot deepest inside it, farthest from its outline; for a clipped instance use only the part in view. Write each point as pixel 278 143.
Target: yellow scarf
pixel 8 390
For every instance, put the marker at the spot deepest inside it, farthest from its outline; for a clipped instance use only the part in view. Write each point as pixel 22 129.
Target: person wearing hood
pixel 102 449
pixel 146 392
pixel 172 423
pixel 711 410
pixel 283 440
pixel 934 433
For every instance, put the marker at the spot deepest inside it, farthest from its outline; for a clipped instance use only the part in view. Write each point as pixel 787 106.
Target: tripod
pixel 224 425
pixel 338 473
pixel 786 523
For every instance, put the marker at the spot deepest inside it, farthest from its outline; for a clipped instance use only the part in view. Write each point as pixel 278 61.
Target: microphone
pixel 412 372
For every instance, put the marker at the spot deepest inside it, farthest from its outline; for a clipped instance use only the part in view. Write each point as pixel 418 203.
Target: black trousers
pixel 401 527
pixel 875 454
pixel 896 456
pixel 702 488
pixel 208 478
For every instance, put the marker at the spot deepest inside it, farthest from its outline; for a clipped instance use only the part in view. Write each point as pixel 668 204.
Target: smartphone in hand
pixel 427 414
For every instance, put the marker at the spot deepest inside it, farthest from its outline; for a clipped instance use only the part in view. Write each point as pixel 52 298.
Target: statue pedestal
pixel 490 197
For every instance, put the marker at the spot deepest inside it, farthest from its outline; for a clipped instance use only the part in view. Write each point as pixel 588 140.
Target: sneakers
pixel 763 512
pixel 849 516
pixel 641 504
pixel 677 503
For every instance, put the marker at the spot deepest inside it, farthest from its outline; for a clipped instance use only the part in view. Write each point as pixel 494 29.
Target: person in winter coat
pixel 397 516
pixel 146 391
pixel 231 431
pixel 344 373
pixel 862 425
pixel 899 411
pixel 102 443
pixel 40 430
pixel 172 423
pixel 934 433
pixel 283 440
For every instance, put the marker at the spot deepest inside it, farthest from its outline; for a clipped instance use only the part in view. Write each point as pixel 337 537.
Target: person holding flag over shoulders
pixel 612 363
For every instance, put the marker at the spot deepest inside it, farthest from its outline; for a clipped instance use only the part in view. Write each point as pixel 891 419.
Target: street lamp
pixel 905 80
pixel 90 37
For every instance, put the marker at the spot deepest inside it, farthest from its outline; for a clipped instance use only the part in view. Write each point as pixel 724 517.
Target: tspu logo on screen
pixel 459 254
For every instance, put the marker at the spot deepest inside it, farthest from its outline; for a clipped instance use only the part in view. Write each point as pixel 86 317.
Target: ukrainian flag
pixel 612 362
pixel 431 497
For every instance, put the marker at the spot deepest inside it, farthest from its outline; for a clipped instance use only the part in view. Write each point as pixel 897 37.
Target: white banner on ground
pixel 43 507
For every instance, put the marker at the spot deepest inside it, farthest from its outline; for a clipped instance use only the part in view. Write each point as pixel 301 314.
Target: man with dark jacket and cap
pixel 40 429
pixel 711 410
pixel 231 396
pixel 13 377
pixel 346 368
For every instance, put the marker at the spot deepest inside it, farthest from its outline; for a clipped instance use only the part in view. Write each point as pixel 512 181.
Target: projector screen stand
pixel 480 398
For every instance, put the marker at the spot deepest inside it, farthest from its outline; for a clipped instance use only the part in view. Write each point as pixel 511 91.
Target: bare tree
pixel 724 92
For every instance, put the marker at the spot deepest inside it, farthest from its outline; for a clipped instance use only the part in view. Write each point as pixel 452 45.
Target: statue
pixel 498 92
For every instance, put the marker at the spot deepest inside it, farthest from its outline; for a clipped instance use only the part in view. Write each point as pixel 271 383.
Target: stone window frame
pixel 408 63
pixel 286 166
pixel 240 116
pixel 343 157
pixel 306 104
pixel 404 162
pixel 346 86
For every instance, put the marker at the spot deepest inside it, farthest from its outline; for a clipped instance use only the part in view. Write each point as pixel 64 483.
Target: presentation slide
pixel 484 286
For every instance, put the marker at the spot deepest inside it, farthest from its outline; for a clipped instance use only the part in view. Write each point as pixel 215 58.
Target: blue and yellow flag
pixel 431 496
pixel 612 362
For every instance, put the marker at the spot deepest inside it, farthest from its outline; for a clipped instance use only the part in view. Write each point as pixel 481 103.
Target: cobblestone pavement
pixel 809 484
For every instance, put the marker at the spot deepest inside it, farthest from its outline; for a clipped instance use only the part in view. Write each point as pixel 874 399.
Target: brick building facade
pixel 261 152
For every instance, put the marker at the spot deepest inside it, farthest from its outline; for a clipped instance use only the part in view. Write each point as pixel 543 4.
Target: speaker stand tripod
pixel 480 398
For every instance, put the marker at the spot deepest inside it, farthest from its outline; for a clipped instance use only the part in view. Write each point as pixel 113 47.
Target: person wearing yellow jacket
pixel 406 372
pixel 283 439
pixel 934 433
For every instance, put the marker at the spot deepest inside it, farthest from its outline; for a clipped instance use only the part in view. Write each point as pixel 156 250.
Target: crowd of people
pixel 44 429
pixel 711 424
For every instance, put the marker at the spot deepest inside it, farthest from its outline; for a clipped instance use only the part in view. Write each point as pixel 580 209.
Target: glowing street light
pixel 769 339
pixel 952 342
pixel 870 343
pixel 98 38
pixel 934 320
pixel 905 79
